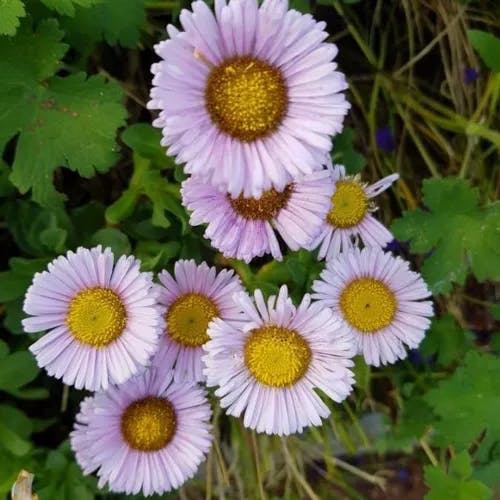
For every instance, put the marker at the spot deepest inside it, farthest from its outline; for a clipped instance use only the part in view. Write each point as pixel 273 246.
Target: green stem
pixel 295 472
pixel 357 425
pixel 367 52
pixel 258 471
pixel 64 399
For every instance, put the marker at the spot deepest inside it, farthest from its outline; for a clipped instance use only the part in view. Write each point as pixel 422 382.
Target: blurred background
pixel 81 165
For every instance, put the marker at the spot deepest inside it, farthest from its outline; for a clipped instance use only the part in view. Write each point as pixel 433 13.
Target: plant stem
pixel 295 472
pixel 64 399
pixel 357 425
pixel 257 467
pixel 430 454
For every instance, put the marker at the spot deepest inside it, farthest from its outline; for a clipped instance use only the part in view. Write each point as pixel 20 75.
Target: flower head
pixel 350 216
pixel 102 318
pixel 149 434
pixel 385 139
pixel 194 296
pixel 269 363
pixel 470 75
pixel 249 97
pixel 379 300
pixel 244 228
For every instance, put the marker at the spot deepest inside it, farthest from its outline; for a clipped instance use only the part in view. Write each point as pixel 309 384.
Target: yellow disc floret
pixel 96 316
pixel 246 98
pixel 349 204
pixel 148 424
pixel 277 356
pixel 266 207
pixel 188 318
pixel 368 304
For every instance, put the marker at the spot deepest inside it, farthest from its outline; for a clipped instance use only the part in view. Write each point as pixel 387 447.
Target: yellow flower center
pixel 264 208
pixel 188 318
pixel 246 98
pixel 350 204
pixel 368 304
pixel 148 424
pixel 277 356
pixel 96 316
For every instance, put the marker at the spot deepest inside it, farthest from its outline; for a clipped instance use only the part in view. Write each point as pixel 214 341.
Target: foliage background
pixel 81 165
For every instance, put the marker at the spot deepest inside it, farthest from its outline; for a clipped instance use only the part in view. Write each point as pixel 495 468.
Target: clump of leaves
pixel 456 231
pixel 456 482
pixel 70 121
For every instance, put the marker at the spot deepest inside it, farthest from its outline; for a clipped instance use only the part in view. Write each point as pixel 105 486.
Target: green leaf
pixel 468 404
pixel 489 474
pixel 4 349
pixel 488 47
pixel 87 219
pixel 154 255
pixel 108 21
pixel 25 62
pixel 413 422
pixel 344 152
pixel 149 182
pixel 68 121
pixel 301 5
pixel 15 282
pixel 11 11
pixel 75 126
pixel 6 187
pixel 38 231
pixel 457 483
pixel 12 442
pixel 446 339
pixel 113 238
pixel 61 477
pixel 495 311
pixel 145 140
pixel 15 428
pixel 14 315
pixel 67 7
pixel 415 419
pixel 460 234
pixel 16 370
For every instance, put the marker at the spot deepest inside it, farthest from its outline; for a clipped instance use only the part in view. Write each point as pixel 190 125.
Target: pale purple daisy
pixel 249 97
pixel 148 435
pixel 193 297
pixel 244 228
pixel 269 363
pixel 350 218
pixel 102 318
pixel 380 301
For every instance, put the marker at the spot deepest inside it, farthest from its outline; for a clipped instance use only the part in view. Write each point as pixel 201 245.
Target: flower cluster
pixel 249 100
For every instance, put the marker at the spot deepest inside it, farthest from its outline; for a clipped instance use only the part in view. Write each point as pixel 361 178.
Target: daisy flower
pixel 244 228
pixel 379 300
pixel 269 363
pixel 102 319
pixel 350 216
pixel 249 97
pixel 149 434
pixel 193 297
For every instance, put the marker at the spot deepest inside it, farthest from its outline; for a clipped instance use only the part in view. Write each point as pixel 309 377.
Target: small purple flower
pixel 403 474
pixel 415 357
pixel 385 139
pixel 470 75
